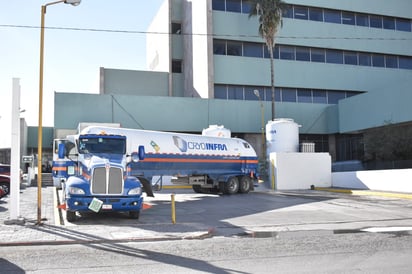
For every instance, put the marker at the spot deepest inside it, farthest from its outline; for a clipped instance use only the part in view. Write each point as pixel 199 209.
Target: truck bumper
pixel 82 204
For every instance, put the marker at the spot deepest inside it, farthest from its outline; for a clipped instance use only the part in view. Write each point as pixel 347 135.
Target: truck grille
pixel 107 181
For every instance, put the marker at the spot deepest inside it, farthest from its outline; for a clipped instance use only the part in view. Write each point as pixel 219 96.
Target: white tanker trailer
pixel 207 163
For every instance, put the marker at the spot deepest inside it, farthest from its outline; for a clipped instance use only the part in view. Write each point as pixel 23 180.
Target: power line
pixel 206 34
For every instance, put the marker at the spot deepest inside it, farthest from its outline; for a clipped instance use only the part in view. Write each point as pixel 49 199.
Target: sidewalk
pixel 26 231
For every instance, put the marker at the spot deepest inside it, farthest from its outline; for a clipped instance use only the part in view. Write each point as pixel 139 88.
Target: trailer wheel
pixel 245 184
pixel 71 216
pixel 197 188
pixel 232 185
pixel 134 214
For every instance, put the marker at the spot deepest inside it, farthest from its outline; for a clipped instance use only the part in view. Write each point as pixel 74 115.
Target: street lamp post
pixel 262 110
pixel 40 126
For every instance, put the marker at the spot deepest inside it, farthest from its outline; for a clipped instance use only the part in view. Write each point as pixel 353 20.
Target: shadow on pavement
pixel 8 267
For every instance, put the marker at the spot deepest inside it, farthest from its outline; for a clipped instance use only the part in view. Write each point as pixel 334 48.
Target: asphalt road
pixel 287 252
pixel 260 232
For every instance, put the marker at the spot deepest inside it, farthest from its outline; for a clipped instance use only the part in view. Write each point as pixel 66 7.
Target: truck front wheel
pixel 134 214
pixel 71 216
pixel 232 185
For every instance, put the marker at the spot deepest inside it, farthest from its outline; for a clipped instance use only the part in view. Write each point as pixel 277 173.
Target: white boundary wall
pixel 300 170
pixel 396 180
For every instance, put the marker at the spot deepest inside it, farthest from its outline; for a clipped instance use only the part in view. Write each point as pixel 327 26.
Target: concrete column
pixel 15 152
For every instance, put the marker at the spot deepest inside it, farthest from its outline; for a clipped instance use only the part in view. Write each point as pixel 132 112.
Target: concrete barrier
pixel 300 170
pixel 394 180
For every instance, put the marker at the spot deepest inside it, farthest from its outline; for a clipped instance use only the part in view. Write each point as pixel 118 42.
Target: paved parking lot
pixel 204 215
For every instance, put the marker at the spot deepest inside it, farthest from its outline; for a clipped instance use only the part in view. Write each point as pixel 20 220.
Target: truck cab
pixel 100 180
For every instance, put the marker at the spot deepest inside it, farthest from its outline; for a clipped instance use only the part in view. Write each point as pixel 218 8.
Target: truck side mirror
pixel 61 151
pixel 141 153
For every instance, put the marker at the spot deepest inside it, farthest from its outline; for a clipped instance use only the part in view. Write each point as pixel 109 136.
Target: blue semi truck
pixel 105 168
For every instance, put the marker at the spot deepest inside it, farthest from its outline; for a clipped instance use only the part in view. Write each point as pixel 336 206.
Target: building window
pixel 315 14
pixel 288 95
pixel 334 56
pixel 378 60
pixel 177 66
pixel 332 16
pixel 403 24
pixel 348 18
pixel 388 23
pixel 304 96
pixel 219 47
pixel 350 58
pixel 246 6
pixel 391 61
pixel 362 20
pixel 319 97
pixel 275 52
pixel 318 55
pixel 176 28
pixel 288 12
pixel 405 62
pixel 375 21
pixel 250 94
pixel 335 96
pixel 220 92
pixel 287 52
pixel 302 54
pixel 218 5
pixel 268 94
pixel 235 92
pixel 234 48
pixel 301 13
pixel 252 50
pixel 233 6
pixel 365 59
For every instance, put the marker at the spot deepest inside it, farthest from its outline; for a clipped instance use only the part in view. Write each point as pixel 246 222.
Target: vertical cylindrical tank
pixel 216 131
pixel 282 135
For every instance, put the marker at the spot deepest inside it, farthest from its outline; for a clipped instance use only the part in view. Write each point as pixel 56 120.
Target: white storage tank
pixel 216 131
pixel 282 135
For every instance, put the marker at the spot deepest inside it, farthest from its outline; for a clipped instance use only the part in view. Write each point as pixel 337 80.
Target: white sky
pixel 72 57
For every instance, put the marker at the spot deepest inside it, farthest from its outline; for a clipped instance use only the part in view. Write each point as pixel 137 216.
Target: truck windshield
pixel 102 145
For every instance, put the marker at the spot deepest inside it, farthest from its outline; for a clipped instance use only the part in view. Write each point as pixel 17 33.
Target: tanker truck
pixel 208 164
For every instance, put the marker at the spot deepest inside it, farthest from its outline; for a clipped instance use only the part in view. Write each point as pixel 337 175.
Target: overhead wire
pixel 207 34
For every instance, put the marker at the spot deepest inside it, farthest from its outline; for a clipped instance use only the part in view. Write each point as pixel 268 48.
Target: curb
pixel 200 236
pixel 366 192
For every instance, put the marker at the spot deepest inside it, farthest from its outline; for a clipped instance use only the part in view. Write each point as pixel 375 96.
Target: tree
pixel 270 14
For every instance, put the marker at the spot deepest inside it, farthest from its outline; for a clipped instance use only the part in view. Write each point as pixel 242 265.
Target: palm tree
pixel 270 18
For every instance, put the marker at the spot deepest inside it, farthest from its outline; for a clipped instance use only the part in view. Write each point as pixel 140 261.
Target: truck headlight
pixel 76 191
pixel 135 191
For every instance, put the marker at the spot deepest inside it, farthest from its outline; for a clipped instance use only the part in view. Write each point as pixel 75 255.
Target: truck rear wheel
pixel 134 214
pixel 232 185
pixel 245 184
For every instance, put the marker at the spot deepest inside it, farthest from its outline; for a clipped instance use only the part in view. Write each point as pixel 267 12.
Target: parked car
pixel 5 183
pixel 2 193
pixel 5 177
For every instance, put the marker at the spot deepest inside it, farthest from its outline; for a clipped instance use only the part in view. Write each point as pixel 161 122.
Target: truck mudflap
pixel 147 186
